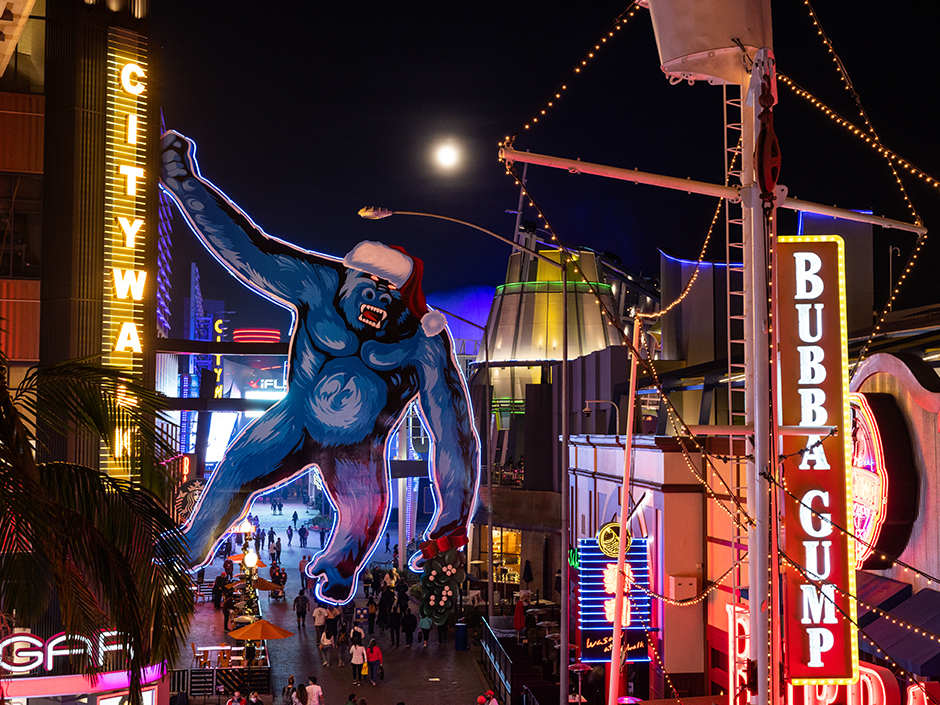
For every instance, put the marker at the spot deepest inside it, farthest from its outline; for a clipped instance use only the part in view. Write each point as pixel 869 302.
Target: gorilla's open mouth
pixel 372 315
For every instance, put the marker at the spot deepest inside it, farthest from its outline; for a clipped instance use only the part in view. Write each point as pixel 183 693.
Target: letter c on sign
pixel 806 515
pixel 129 74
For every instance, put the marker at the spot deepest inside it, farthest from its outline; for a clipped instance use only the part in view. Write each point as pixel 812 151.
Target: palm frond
pixel 95 399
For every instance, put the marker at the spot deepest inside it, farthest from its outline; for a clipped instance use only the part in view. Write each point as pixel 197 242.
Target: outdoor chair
pixel 201 660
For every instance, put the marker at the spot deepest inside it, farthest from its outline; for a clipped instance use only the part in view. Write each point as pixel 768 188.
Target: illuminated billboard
pixel 812 390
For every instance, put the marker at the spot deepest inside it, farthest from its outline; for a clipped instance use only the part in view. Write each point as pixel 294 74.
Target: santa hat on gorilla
pixel 404 271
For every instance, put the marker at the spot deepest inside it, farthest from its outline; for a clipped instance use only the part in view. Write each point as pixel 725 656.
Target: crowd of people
pixel 346 636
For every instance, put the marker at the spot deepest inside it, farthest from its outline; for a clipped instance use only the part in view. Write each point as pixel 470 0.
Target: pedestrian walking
pixel 287 691
pixel 382 618
pixel 272 552
pixel 388 540
pixel 278 550
pixel 357 631
pixel 408 625
pixel 290 535
pixel 367 582
pixel 322 537
pixel 301 602
pixel 352 699
pixel 300 695
pixel 342 645
pixel 302 534
pixel 402 588
pixel 424 624
pixel 314 691
pixel 372 610
pixel 374 657
pixel 261 535
pixel 319 620
pixel 258 543
pixel 271 535
pixel 394 626
pixel 326 645
pixel 357 657
pixel 442 633
pixel 304 560
pixel 333 614
pixel 294 518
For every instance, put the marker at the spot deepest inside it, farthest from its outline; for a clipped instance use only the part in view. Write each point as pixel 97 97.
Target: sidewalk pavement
pixel 436 675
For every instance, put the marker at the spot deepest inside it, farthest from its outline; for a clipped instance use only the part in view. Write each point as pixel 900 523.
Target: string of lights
pixel 613 321
pixel 895 562
pixel 550 102
pixel 689 600
pixel 891 158
pixel 898 670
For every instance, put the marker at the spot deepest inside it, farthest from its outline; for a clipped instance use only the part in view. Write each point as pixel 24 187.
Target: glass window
pixel 507 554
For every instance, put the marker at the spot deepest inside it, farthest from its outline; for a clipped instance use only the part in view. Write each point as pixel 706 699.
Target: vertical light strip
pixel 127 188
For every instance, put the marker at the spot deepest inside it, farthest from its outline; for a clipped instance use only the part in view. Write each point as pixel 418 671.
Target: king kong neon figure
pixel 363 347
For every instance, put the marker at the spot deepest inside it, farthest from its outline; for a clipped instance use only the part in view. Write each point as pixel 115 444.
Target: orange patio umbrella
pixel 262 629
pixel 262 584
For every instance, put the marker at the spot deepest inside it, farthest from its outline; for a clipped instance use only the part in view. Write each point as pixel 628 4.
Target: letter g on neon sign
pixel 806 515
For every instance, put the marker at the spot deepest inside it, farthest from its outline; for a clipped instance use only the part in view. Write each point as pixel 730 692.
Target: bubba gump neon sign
pixel 811 384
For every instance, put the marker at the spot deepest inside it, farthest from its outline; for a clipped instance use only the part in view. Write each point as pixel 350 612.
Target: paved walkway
pixel 437 675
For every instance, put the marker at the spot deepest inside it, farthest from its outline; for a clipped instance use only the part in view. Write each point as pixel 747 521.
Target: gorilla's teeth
pixel 365 309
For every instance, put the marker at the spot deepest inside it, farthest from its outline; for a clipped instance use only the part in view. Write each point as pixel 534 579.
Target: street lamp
pixel 587 410
pixel 374 213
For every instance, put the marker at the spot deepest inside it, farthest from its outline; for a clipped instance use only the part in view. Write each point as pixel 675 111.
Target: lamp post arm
pixel 513 244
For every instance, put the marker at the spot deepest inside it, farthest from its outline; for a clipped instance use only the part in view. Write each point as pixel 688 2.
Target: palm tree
pixel 104 549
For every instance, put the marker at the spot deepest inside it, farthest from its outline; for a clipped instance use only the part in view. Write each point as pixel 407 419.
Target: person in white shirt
pixel 357 657
pixel 319 621
pixel 314 692
pixel 326 645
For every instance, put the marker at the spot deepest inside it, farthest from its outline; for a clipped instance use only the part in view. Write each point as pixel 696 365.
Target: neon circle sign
pixel 884 480
pixel 869 479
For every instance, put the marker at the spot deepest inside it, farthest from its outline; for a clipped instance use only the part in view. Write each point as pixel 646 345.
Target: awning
pixel 914 652
pixel 883 593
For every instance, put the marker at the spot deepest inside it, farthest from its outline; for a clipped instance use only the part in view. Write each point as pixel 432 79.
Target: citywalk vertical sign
pixel 811 381
pixel 127 188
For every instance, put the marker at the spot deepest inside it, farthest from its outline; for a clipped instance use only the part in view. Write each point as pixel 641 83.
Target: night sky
pixel 305 112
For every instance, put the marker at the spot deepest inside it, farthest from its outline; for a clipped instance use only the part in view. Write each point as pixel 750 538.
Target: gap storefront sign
pixel 597 588
pixel 811 384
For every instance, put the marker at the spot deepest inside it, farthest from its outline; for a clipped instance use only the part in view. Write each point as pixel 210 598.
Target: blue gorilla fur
pixel 351 378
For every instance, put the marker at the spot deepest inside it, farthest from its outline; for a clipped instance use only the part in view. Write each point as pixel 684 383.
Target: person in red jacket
pixel 374 656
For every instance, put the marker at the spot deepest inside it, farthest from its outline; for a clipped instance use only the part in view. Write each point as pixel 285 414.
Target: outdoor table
pixel 245 619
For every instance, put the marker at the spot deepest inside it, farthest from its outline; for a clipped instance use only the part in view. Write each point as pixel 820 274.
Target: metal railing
pixel 496 663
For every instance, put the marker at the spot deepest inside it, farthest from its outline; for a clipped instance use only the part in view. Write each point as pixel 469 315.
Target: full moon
pixel 446 155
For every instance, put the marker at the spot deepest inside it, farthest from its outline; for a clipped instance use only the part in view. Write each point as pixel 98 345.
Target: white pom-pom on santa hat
pixel 433 322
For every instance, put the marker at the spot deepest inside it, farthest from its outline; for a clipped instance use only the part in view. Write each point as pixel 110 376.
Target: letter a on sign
pixel 811 390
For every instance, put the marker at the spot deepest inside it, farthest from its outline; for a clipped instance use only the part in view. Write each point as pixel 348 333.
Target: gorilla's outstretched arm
pixel 445 405
pixel 274 268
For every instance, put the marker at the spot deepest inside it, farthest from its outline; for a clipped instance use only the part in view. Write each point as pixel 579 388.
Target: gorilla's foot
pixel 337 581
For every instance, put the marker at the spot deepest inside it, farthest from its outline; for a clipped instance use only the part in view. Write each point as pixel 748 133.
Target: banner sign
pixel 812 390
pixel 597 588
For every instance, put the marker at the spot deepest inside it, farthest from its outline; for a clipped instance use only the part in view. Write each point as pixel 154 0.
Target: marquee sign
pixel 24 653
pixel 125 211
pixel 812 390
pixel 597 589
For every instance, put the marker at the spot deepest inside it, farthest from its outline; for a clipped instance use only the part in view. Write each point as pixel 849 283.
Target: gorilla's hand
pixel 177 158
